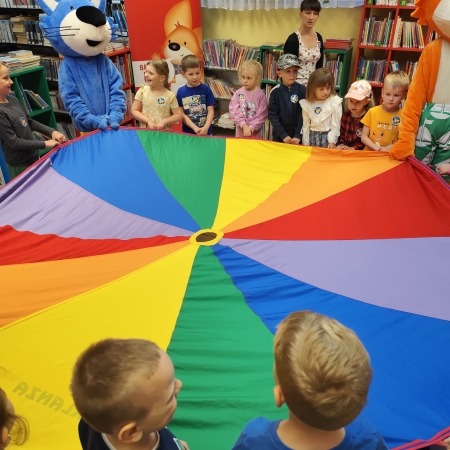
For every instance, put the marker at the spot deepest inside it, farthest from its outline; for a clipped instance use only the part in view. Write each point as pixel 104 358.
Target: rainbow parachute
pixel 204 245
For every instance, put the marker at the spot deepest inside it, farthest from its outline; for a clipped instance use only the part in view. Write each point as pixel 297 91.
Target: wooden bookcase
pixel 387 52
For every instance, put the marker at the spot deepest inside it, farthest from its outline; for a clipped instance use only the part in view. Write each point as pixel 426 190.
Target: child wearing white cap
pixel 357 102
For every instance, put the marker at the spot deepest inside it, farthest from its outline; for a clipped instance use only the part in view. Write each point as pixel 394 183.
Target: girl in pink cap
pixel 357 102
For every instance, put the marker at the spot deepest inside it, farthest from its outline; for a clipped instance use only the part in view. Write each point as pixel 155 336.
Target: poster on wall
pixel 170 31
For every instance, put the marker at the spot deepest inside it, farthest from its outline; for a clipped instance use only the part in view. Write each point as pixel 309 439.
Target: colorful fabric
pixel 156 107
pixel 248 108
pixel 351 131
pixel 95 242
pixel 383 125
pixel 195 102
pixel 261 433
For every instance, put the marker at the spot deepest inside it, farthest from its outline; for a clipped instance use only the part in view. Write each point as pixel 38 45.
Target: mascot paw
pixel 102 124
pixel 115 125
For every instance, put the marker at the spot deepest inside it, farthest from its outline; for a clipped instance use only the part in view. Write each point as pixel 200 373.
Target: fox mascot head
pixel 435 14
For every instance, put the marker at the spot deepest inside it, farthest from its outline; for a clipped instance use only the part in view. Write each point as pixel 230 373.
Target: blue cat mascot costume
pixel 89 84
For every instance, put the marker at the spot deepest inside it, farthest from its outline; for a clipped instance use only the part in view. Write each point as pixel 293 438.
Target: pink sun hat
pixel 359 90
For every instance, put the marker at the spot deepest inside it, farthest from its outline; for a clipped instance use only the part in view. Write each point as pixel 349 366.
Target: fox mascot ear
pixel 77 27
pixel 436 14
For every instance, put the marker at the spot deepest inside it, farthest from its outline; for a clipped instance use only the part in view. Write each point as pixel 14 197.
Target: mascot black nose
pixel 91 15
pixel 174 46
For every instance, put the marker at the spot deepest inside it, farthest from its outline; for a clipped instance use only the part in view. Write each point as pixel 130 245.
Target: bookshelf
pixel 339 61
pixel 389 39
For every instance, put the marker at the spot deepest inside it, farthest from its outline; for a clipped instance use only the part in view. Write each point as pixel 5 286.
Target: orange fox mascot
pixel 429 95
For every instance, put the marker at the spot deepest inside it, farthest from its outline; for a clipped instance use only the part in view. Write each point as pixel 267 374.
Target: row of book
pixel 371 70
pixel 221 88
pixel 120 61
pixel 410 67
pixel 13 64
pixel 335 66
pixel 408 35
pixel 57 103
pixel 118 14
pixel 432 36
pixel 226 53
pixel 377 32
pixel 32 4
pixel 269 63
pixel 390 2
pixel 51 66
pixel 26 57
pixel 22 30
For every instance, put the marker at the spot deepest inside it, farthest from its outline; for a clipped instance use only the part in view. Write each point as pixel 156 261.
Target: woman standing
pixel 305 42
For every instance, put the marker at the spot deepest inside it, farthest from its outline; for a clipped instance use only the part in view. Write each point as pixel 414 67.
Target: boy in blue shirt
pixel 285 112
pixel 322 373
pixel 195 98
pixel 126 393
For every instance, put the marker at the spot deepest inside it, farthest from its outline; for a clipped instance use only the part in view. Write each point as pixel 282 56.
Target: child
pixel 381 123
pixel 248 107
pixel 285 112
pixel 322 372
pixel 16 127
pixel 12 428
pixel 322 111
pixel 196 99
pixel 126 394
pixel 155 106
pixel 358 102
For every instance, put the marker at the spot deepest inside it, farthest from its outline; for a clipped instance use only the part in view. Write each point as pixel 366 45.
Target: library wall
pixel 259 26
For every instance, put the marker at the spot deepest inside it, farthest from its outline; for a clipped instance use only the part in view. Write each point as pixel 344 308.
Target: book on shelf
pixel 35 100
pixel 335 66
pixel 390 2
pixel 57 103
pixel 26 58
pixel 13 64
pixel 408 35
pixel 338 43
pixel 51 66
pixel 227 54
pixel 410 67
pixel 371 70
pixel 269 63
pixel 377 32
pixel 24 98
pixel 19 4
pixel 221 88
pixel 6 31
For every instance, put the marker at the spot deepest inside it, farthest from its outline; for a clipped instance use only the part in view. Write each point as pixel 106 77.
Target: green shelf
pixel 34 79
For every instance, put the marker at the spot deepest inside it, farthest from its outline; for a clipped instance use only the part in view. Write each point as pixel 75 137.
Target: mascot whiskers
pixel 89 83
pixel 425 128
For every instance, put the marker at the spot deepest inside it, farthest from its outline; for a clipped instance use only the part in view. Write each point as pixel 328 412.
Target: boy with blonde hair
pixel 323 374
pixel 381 123
pixel 126 394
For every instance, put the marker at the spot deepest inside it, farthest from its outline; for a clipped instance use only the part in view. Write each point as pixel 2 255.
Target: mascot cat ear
pixel 48 6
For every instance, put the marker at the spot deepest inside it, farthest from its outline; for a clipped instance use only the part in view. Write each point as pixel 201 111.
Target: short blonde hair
pixel 397 80
pixel 319 78
pixel 323 370
pixel 253 67
pixel 105 382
